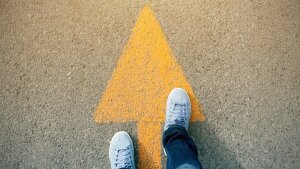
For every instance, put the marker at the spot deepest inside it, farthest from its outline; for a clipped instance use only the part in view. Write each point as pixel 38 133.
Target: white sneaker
pixel 121 153
pixel 178 109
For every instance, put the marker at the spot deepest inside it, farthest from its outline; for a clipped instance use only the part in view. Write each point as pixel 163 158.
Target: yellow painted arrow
pixel 145 74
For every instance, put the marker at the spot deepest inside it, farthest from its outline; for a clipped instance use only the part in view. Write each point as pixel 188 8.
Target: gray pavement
pixel 242 59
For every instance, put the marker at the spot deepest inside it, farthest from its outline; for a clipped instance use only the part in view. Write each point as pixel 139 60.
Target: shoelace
pixel 123 159
pixel 178 115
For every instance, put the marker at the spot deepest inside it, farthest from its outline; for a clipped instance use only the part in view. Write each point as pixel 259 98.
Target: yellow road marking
pixel 145 74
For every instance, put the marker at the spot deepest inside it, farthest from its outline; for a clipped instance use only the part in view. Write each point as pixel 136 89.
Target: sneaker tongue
pixel 179 114
pixel 124 165
pixel 123 161
pixel 127 167
pixel 178 109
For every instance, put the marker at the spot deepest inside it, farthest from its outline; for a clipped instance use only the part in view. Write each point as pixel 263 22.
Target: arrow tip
pixel 145 74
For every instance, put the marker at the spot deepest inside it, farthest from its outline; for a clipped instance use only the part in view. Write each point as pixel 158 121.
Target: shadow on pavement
pixel 213 152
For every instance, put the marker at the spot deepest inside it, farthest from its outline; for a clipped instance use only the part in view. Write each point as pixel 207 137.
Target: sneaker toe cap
pixel 179 95
pixel 121 140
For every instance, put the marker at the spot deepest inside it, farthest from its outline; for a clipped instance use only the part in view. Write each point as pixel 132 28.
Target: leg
pixel 179 147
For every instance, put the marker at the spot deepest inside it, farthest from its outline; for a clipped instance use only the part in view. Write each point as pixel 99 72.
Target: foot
pixel 178 109
pixel 121 151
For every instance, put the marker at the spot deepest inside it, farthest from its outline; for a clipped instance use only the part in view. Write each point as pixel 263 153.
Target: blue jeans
pixel 181 150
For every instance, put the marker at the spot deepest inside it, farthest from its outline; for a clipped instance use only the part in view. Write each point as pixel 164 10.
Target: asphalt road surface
pixel 242 59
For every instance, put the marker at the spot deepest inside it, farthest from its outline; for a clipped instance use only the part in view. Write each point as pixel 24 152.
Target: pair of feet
pixel 178 112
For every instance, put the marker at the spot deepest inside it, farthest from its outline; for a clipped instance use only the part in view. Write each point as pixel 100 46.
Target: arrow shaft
pixel 149 141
